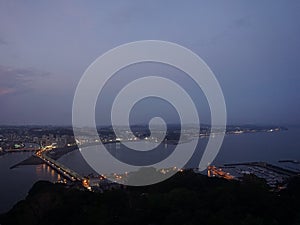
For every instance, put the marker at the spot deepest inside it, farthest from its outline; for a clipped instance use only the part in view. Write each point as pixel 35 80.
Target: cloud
pixel 17 80
pixel 5 91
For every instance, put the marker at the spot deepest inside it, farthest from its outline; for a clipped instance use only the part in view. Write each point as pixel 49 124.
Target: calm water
pixel 270 147
pixel 15 183
pixel 263 146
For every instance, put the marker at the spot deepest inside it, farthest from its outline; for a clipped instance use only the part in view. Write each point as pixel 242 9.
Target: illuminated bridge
pixel 60 168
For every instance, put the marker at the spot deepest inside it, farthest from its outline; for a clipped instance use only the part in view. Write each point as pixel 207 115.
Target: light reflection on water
pixel 15 183
pixel 261 146
pixel 43 172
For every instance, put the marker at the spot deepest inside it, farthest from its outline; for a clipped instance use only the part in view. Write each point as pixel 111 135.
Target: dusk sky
pixel 253 48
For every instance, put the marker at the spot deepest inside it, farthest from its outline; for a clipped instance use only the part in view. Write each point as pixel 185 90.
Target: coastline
pixel 59 152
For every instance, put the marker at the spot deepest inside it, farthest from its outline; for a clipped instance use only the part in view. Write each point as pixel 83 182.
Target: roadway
pixel 57 166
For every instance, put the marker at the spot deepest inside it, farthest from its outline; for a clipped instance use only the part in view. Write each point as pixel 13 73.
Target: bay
pixel 261 146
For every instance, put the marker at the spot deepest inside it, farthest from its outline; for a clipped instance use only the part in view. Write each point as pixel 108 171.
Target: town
pixel 49 143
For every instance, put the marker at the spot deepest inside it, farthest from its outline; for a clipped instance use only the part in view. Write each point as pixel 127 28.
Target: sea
pixel 247 147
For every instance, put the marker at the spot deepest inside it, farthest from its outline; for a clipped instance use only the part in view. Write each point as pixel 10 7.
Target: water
pixel 269 147
pixel 15 183
pixel 261 146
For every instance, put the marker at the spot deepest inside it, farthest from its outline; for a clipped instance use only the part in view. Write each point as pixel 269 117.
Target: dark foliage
pixel 186 198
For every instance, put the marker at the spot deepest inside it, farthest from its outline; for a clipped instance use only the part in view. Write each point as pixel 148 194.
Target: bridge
pixel 60 168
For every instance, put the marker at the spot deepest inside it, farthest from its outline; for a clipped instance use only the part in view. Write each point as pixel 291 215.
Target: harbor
pixel 275 176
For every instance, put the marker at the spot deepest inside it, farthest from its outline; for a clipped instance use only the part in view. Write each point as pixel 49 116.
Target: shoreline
pixel 59 152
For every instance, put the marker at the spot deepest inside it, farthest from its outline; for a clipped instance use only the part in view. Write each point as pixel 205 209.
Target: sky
pixel 252 47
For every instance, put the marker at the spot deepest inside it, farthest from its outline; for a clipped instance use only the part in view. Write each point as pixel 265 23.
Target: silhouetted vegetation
pixel 186 198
